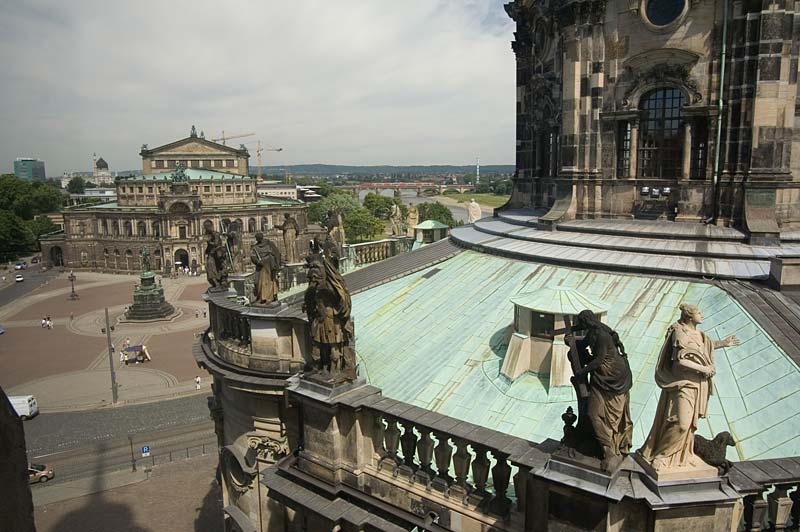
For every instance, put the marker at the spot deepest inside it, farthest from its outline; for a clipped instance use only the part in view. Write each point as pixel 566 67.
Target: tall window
pixel 660 141
pixel 623 149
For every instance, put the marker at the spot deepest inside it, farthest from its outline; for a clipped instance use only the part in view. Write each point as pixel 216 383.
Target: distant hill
pixel 336 169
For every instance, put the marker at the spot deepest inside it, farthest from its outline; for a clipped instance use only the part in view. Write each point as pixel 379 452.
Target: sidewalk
pixel 50 493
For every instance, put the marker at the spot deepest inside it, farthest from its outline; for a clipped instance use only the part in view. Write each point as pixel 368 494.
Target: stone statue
pixel 332 251
pixel 193 132
pixel 145 255
pixel 602 357
pixel 396 217
pixel 179 175
pixel 335 227
pixel 473 212
pixel 412 219
pixel 327 304
pixel 233 240
pixel 684 371
pixel 290 232
pixel 267 259
pixel 216 257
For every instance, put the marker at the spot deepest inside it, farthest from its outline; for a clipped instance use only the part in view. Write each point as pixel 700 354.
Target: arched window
pixel 239 225
pixel 156 230
pixel 115 227
pixel 264 223
pixel 251 225
pixel 105 252
pixel 116 253
pixel 141 229
pixel 128 253
pixel 226 223
pixel 660 142
pixel 128 229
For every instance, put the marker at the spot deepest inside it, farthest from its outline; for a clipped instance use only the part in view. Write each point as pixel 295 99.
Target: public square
pixel 67 367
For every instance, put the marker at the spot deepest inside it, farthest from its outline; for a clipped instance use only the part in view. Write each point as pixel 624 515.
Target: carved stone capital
pixel 266 448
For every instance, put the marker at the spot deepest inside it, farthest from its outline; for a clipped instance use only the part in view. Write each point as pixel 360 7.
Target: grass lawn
pixel 489 200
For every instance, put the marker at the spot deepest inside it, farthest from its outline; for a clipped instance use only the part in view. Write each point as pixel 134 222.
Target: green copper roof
pixel 194 174
pixel 437 338
pixel 431 224
pixel 558 300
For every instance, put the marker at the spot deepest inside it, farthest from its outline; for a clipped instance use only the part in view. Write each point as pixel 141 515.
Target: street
pixel 86 443
pixel 34 278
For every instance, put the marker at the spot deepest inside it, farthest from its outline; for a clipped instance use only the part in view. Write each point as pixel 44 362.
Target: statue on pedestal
pixel 327 305
pixel 474 212
pixel 684 371
pixel 233 240
pixel 216 257
pixel 602 357
pixel 145 256
pixel 267 259
pixel 290 231
pixel 335 226
pixel 412 219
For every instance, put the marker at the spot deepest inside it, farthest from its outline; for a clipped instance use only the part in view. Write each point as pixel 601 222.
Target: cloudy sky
pixel 338 82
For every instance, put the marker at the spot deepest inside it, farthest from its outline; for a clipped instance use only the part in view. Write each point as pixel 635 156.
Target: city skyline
pixel 353 84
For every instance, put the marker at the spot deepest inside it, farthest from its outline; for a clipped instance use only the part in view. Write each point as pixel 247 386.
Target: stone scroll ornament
pixel 684 373
pixel 602 379
pixel 327 305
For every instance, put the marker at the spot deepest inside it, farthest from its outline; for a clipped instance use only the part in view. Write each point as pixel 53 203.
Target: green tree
pixel 378 206
pixel 360 226
pixel 46 198
pixel 15 238
pixel 76 185
pixel 39 226
pixel 436 211
pixel 318 211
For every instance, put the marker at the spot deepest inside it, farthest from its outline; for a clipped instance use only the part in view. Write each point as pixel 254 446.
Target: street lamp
pixel 73 296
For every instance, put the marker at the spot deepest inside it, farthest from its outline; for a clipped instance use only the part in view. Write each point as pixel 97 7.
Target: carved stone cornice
pixel 580 12
pixel 660 75
pixel 267 448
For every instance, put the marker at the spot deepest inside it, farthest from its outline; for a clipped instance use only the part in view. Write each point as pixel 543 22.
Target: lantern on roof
pixel 537 343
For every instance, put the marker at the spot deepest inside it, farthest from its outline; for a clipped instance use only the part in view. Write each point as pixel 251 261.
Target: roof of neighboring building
pixel 431 224
pixel 437 337
pixel 194 174
pixel 559 300
pixel 262 201
pixel 146 152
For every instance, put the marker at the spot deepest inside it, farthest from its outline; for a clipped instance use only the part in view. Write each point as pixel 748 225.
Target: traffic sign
pixel 145 451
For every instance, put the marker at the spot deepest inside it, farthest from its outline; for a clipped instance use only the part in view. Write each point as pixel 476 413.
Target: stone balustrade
pixel 775 478
pixel 370 252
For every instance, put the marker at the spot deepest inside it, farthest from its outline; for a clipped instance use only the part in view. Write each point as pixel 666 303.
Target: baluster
pixel 780 506
pixel 380 429
pixel 443 452
pixel 480 473
pixel 391 440
pixel 501 474
pixel 408 443
pixel 520 487
pixel 755 508
pixel 461 461
pixel 425 454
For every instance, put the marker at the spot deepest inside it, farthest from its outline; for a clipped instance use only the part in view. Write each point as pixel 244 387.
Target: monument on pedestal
pixel 148 297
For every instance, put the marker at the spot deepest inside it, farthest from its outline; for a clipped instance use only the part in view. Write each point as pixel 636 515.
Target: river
pixel 409 197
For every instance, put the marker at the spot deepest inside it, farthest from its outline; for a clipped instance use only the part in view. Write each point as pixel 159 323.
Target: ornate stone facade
pixel 164 211
pixel 620 111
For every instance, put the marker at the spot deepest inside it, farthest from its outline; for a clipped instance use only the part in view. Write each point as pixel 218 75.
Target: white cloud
pixel 347 82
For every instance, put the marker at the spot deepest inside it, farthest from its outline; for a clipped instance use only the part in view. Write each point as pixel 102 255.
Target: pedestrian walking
pixel 49 323
pixel 125 358
pixel 196 313
pixel 44 322
pixel 121 356
pixel 204 313
pixel 197 382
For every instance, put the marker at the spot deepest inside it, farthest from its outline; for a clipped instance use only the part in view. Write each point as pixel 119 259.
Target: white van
pixel 25 405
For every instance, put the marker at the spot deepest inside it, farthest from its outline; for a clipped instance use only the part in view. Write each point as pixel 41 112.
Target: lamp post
pixel 114 387
pixel 73 296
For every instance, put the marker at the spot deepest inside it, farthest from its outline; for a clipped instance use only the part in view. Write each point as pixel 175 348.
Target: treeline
pixel 22 206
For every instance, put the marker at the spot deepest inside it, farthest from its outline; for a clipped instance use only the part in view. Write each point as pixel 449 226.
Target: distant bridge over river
pixel 420 187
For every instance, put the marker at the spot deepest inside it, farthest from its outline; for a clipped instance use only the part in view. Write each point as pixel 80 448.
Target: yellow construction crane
pixel 258 153
pixel 224 138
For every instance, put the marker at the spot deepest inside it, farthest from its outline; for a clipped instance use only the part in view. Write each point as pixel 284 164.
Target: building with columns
pixel 184 184
pixel 677 109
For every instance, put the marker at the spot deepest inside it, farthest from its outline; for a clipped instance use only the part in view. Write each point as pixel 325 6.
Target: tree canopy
pixel 360 226
pixel 27 199
pixel 318 211
pixel 436 211
pixel 378 206
pixel 15 238
pixel 76 185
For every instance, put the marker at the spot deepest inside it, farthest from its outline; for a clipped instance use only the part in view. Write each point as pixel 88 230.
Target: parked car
pixel 20 266
pixel 2 330
pixel 19 278
pixel 35 260
pixel 39 473
pixel 25 405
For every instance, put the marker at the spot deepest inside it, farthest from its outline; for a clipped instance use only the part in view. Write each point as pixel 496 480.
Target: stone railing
pixel 370 252
pixel 439 465
pixel 775 477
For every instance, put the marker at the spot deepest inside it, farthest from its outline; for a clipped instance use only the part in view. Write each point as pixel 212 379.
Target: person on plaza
pixel 44 322
pixel 204 313
pixel 125 358
pixel 196 313
pixel 197 382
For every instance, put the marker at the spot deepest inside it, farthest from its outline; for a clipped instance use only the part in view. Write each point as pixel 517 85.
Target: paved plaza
pixel 67 367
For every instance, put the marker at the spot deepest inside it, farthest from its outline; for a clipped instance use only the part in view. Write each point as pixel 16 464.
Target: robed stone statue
pixel 145 255
pixel 267 259
pixel 684 373
pixel 604 360
pixel 412 219
pixel 290 231
pixel 396 218
pixel 327 305
pixel 474 212
pixel 216 257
